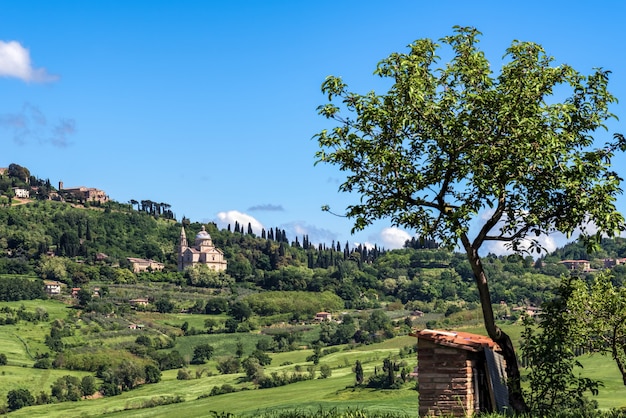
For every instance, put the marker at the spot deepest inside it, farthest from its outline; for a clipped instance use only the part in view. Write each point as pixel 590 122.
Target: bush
pixel 19 398
pixel 183 374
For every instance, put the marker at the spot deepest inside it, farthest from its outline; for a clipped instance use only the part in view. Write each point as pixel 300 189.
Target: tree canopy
pixel 452 144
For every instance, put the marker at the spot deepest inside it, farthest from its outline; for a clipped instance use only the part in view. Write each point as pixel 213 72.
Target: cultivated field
pixel 21 342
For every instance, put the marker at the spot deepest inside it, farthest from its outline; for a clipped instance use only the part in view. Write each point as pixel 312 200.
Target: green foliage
pixel 240 310
pixel 550 352
pixel 304 304
pixel 88 385
pixel 202 353
pixel 19 398
pixel 153 374
pixel 21 288
pixel 358 372
pixel 450 142
pixel 228 365
pixel 183 374
pixel 600 306
pixel 67 388
pixel 421 156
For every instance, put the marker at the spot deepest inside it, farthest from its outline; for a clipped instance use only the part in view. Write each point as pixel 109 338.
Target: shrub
pixel 183 374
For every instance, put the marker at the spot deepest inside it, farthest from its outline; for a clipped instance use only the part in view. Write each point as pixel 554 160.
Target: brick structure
pixel 459 374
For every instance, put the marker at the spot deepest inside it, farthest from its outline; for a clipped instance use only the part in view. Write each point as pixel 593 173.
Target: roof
pixel 458 339
pixel 203 234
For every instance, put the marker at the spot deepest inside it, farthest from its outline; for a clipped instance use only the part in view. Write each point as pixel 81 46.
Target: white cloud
pixel 15 62
pixel 232 216
pixel 393 238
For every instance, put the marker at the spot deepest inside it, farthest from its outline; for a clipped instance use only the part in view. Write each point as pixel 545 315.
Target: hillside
pixel 159 338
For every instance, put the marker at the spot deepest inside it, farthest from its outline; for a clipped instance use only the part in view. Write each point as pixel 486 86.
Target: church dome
pixel 202 235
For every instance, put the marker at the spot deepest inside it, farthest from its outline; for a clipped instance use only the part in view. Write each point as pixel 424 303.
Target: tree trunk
pixel 516 397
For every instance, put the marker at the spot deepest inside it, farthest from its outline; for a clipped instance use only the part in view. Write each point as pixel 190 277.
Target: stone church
pixel 202 252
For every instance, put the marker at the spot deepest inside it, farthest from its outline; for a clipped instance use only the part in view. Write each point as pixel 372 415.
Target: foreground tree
pixel 453 146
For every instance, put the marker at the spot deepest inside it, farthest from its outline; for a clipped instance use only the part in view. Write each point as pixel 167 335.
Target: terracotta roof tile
pixel 459 339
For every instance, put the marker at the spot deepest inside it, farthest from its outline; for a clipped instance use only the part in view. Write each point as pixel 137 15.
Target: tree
pixel 451 145
pixel 88 385
pixel 164 305
pixel 3 359
pixel 209 324
pixel 84 297
pixel 228 365
pixel 153 374
pixel 600 308
pixel 325 371
pixel 358 372
pixel 19 398
pixel 253 369
pixel 202 353
pixel 553 368
pixel 240 310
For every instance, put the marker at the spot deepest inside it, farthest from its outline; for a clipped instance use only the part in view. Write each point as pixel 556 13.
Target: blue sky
pixel 211 106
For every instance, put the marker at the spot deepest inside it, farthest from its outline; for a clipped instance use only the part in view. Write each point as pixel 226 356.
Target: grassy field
pixel 611 395
pixel 335 391
pixel 21 341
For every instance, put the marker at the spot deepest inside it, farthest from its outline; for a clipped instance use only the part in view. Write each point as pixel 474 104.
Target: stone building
pixel 86 194
pixel 202 252
pixel 142 264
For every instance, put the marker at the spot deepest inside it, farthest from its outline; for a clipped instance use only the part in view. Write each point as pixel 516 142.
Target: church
pixel 202 252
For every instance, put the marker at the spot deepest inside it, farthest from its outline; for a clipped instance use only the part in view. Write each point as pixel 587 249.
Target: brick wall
pixel 445 380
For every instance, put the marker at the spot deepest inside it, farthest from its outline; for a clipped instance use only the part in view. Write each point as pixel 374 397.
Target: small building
pixel 583 265
pixel 138 302
pixel 21 193
pixel 459 374
pixel 52 287
pixel 323 316
pixel 101 256
pixel 141 264
pixel 528 310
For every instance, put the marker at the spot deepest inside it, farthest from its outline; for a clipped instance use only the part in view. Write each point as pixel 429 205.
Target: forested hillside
pixel 79 243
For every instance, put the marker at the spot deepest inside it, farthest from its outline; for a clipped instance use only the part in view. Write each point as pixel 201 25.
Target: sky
pixel 211 106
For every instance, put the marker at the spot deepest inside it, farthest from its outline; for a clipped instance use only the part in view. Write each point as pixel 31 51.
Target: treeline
pixel 20 288
pixel 93 245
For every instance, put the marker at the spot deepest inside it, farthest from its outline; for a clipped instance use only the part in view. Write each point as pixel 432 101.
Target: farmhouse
pixel 583 265
pixel 52 287
pixel 141 264
pixel 323 316
pixel 21 193
pixel 202 252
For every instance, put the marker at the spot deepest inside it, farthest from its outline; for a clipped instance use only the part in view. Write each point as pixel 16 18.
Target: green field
pixel 21 341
